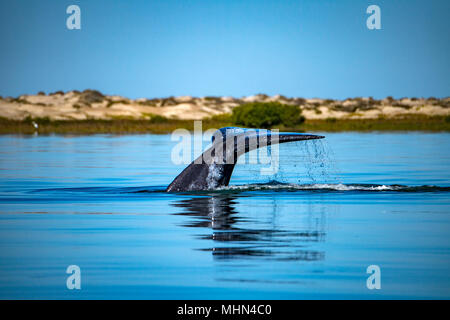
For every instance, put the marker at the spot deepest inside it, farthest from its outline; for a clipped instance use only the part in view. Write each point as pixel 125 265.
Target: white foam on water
pixel 316 186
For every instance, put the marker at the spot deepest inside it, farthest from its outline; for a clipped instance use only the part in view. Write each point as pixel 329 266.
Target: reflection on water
pixel 215 212
pixel 235 237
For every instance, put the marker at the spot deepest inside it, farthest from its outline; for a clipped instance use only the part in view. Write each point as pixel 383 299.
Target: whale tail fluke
pixel 215 166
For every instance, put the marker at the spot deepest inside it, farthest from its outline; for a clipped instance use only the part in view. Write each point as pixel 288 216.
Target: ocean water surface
pixel 335 207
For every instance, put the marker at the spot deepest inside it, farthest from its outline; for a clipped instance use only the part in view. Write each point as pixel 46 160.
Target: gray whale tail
pixel 215 166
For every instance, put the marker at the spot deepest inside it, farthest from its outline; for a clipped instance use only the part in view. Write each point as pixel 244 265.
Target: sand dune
pixel 91 104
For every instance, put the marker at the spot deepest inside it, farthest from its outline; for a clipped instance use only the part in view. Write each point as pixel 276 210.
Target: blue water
pixel 310 231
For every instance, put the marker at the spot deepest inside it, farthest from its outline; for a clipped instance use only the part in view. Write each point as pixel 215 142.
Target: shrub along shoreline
pixel 163 125
pixel 269 115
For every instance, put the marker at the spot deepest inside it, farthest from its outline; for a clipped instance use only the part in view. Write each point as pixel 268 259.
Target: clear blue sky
pixel 161 48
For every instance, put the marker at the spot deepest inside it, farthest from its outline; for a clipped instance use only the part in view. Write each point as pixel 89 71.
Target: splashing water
pixel 319 160
pixel 301 162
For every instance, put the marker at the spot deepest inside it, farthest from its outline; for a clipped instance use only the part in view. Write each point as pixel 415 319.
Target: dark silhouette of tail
pixel 214 167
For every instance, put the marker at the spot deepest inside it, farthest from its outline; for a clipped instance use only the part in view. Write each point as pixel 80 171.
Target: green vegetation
pixel 407 123
pixel 159 124
pixel 156 124
pixel 111 102
pixel 155 118
pixel 90 96
pixel 267 115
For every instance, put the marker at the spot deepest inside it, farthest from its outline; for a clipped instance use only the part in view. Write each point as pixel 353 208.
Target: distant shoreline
pixel 90 111
pixel 92 104
pixel 165 126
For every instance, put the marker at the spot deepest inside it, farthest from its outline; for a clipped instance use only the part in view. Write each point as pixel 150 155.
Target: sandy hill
pixel 91 104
